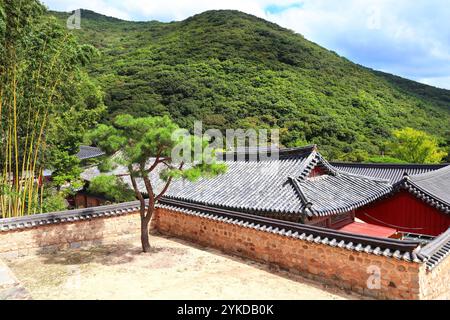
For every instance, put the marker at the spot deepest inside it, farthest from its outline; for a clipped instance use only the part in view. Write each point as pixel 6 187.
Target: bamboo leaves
pixel 43 103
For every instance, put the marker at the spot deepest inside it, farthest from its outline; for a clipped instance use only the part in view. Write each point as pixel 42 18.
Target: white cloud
pixel 404 37
pixel 440 82
pixel 408 38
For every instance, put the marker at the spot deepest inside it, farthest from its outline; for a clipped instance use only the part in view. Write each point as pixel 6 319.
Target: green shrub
pixel 112 188
pixel 54 202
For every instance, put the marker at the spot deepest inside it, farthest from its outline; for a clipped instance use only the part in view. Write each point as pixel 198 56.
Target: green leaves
pixel 416 147
pixel 47 101
pixel 66 167
pixel 231 70
pixel 112 188
pixel 143 144
pixel 107 138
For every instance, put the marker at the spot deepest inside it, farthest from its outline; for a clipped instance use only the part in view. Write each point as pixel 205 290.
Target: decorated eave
pixel 436 251
pixel 433 188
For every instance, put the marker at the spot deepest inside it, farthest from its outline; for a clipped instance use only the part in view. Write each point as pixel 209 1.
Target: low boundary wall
pixel 349 266
pixel 70 229
pixel 371 275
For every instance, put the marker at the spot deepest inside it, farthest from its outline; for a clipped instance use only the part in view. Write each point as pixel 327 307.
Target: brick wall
pixel 331 265
pixel 64 235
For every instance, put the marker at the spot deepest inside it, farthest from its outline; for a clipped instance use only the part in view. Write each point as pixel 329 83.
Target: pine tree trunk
pixel 144 235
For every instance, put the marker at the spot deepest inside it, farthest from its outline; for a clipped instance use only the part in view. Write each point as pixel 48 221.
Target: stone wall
pixel 65 235
pixel 331 265
pixel 334 266
pixel 435 284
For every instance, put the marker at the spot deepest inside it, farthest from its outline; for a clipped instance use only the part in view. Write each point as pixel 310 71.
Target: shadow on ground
pixel 164 256
pixel 107 254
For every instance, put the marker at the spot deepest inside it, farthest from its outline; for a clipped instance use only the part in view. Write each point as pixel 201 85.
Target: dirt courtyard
pixel 176 270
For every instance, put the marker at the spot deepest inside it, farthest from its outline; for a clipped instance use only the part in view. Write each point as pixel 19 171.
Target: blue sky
pixel 410 38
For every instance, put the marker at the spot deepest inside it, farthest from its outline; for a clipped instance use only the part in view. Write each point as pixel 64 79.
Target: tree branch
pixel 157 161
pixel 164 190
pixel 138 194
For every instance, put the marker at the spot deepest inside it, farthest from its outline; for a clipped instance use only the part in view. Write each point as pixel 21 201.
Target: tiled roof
pixel 249 186
pixel 87 152
pixel 254 186
pixel 432 187
pixel 437 250
pixel 338 193
pixel 259 185
pixel 392 172
pixel 436 183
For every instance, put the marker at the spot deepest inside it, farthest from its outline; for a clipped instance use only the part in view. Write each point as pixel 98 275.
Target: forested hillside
pixel 233 70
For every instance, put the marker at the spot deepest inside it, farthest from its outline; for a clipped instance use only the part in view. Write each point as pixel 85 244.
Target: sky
pixel 409 38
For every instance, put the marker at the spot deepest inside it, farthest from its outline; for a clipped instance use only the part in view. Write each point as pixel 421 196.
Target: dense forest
pixel 233 70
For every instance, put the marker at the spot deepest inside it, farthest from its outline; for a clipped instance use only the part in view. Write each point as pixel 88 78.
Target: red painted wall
pixel 406 211
pixel 317 171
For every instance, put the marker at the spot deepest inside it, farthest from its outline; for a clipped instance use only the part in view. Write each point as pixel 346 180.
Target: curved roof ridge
pixel 389 165
pixel 340 171
pixel 306 207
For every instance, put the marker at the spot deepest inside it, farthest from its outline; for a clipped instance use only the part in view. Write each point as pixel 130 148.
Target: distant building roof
pixel 87 152
pixel 392 172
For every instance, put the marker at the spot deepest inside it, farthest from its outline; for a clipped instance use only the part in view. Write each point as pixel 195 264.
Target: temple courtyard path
pixel 175 270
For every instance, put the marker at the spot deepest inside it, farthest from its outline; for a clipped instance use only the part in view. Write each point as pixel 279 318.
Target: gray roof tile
pixel 392 172
pixel 339 193
pixel 87 152
pixel 435 184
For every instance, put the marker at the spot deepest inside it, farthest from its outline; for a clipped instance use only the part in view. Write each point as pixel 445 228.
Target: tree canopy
pixel 155 146
pixel 233 70
pixel 112 188
pixel 415 146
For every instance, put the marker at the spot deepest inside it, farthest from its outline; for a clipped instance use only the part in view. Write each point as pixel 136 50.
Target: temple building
pixel 390 201
pixel 331 222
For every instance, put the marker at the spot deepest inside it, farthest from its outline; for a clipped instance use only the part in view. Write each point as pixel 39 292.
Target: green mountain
pixel 234 70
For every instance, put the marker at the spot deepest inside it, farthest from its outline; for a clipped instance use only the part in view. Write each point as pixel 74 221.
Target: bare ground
pixel 175 270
